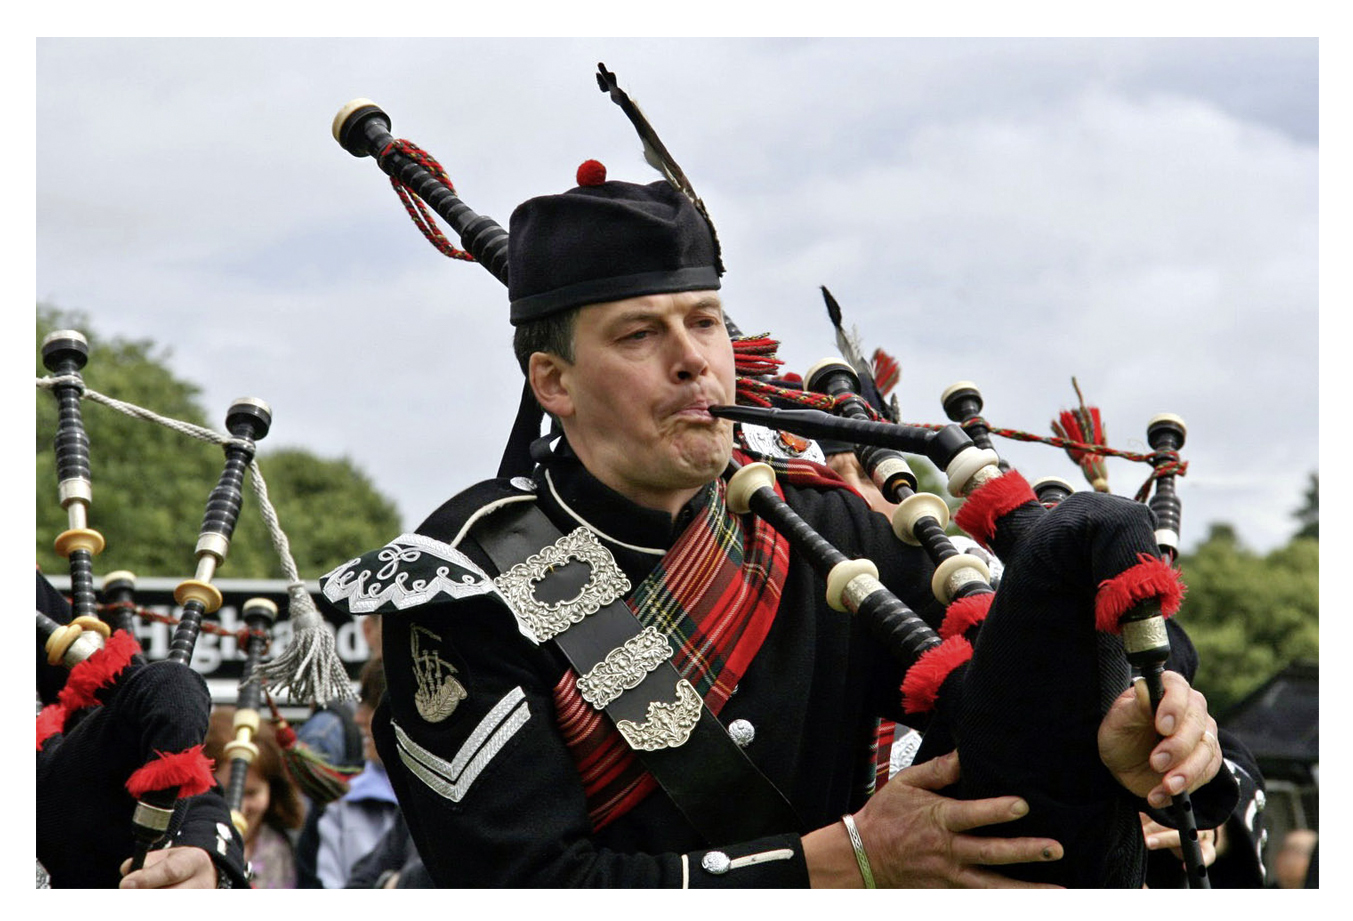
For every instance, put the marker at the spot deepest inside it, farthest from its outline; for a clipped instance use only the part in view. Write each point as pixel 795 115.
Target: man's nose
pixel 690 360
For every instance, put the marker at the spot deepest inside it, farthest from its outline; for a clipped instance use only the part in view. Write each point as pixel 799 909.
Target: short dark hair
pixel 552 334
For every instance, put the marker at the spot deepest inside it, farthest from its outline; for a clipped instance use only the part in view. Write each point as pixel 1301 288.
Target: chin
pixel 708 461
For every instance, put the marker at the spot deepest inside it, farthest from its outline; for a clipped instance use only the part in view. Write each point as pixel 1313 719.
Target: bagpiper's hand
pixel 914 836
pixel 172 868
pixel 1157 759
pixel 1211 841
pixel 848 467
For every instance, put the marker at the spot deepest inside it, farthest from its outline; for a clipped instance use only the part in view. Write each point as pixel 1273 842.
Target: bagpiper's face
pixel 635 401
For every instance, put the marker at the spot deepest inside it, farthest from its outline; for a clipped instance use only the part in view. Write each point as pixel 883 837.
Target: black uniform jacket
pixel 516 814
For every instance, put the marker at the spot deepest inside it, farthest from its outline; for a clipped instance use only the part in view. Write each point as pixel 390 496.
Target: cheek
pixel 618 407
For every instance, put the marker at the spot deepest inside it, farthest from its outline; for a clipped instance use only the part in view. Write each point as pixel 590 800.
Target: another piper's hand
pixel 1156 760
pixel 1211 841
pixel 172 868
pixel 914 839
pixel 847 466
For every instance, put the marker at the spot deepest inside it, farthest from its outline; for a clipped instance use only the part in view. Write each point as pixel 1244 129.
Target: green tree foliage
pixel 329 509
pixel 150 484
pixel 1308 516
pixel 1249 615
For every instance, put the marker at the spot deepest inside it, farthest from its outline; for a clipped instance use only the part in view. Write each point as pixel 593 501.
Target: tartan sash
pixel 714 594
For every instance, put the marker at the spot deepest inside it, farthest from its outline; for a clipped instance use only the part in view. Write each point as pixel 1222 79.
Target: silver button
pixel 1260 799
pixel 742 732
pixel 715 862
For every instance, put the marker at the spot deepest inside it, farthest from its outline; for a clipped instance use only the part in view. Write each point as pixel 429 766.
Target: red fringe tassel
pixel 1152 577
pixel 98 671
pixel 965 613
pixel 921 686
pixel 981 511
pixel 190 771
pixel 754 356
pixel 887 372
pixel 51 720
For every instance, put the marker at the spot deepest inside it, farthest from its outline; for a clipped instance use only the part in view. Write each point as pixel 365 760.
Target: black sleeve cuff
pixel 207 825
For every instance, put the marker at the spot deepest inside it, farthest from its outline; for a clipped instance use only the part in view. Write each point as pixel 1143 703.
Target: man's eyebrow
pixel 641 314
pixel 638 314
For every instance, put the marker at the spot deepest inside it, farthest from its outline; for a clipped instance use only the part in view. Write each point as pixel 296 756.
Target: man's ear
pixel 547 375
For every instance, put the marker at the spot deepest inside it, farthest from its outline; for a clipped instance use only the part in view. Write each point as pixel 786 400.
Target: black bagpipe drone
pixel 1103 613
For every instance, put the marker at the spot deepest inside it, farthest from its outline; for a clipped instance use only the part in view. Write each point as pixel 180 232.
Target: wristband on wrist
pixel 861 858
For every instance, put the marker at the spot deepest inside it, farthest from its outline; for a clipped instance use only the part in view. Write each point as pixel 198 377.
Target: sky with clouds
pixel 1141 214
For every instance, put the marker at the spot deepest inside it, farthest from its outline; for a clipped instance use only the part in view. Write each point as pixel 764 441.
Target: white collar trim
pixel 549 481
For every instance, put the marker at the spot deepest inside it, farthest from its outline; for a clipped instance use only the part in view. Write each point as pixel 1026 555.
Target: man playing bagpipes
pixel 599 675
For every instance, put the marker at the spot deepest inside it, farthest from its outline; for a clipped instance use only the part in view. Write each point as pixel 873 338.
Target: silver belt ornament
pixel 667 724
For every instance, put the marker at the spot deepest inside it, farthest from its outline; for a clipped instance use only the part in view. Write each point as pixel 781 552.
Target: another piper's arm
pixel 172 868
pixel 205 833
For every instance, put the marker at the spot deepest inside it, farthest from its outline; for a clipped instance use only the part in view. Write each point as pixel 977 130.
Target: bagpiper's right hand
pixel 915 838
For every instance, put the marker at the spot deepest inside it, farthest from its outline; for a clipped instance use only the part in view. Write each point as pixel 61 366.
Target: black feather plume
pixel 655 152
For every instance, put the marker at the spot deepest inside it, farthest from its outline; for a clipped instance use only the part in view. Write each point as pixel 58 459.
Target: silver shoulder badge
pixel 409 571
pixel 438 692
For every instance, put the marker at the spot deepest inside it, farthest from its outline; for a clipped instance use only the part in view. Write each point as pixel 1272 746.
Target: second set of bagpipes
pixel 144 723
pixel 1109 612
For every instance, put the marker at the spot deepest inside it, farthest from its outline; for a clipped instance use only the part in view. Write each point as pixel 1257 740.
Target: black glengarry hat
pixel 606 241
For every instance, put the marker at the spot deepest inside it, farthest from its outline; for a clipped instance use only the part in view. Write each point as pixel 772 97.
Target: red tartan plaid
pixel 883 754
pixel 714 595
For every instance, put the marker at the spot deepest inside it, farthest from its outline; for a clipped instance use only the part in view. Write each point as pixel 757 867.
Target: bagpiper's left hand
pixel 1157 759
pixel 1211 841
pixel 172 868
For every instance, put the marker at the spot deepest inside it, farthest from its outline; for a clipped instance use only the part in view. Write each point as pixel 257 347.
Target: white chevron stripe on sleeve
pixel 452 779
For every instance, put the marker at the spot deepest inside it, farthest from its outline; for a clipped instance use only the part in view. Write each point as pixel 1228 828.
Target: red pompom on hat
pixel 591 173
